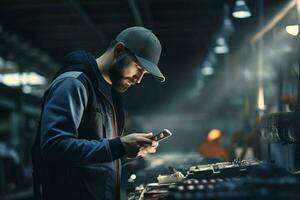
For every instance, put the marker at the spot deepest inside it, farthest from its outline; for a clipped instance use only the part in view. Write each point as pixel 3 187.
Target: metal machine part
pixel 227 181
pixel 278 128
pixel 237 168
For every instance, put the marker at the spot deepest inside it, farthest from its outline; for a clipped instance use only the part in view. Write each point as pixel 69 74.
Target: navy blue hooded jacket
pixel 77 148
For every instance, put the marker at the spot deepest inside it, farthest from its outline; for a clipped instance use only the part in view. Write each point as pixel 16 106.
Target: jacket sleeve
pixel 66 101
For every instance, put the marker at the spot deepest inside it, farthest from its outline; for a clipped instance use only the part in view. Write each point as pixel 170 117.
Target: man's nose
pixel 140 77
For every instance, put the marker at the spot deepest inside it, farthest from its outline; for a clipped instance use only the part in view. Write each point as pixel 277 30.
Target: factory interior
pixel 230 98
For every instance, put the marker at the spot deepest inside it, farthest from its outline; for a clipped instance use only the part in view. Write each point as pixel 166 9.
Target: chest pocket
pixel 98 117
pixel 96 124
pixel 104 120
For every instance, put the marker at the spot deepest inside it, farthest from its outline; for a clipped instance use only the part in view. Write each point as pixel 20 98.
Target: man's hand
pixel 138 144
pixel 148 149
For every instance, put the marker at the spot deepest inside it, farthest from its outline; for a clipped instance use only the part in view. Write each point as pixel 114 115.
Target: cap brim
pixel 151 68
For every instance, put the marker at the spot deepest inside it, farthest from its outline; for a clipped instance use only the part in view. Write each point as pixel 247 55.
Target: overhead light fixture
pixel 221 46
pixel 207 69
pixel 16 79
pixel 221 49
pixel 227 25
pixel 292 29
pixel 241 10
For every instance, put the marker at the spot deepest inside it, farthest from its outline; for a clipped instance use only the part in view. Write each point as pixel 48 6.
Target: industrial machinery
pixel 246 179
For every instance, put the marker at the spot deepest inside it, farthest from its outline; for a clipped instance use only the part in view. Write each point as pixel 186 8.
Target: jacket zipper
pixel 116 162
pixel 116 135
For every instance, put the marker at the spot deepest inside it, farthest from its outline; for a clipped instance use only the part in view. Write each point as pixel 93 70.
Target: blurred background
pixel 231 67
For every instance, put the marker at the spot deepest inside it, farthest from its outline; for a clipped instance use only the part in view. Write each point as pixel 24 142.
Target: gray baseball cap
pixel 145 46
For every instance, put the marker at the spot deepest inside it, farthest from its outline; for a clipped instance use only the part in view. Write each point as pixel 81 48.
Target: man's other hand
pixel 138 144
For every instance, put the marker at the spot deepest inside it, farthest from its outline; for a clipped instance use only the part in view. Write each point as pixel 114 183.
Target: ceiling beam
pixel 88 20
pixel 136 13
pixel 25 5
pixel 148 15
pixel 274 21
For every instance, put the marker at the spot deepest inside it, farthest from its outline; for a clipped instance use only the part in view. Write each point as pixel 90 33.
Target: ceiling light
pixel 16 79
pixel 241 10
pixel 292 29
pixel 221 41
pixel 227 23
pixel 221 46
pixel 207 69
pixel 221 49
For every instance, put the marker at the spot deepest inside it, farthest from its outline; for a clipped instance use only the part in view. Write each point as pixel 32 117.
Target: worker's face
pixel 125 72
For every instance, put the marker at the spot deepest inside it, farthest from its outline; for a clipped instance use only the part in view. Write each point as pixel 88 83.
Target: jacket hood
pixel 79 57
pixel 86 63
pixel 78 61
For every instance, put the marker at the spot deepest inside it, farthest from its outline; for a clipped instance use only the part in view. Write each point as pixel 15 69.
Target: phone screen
pixel 162 135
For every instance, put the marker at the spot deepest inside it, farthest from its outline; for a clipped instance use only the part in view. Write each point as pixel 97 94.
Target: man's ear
pixel 119 49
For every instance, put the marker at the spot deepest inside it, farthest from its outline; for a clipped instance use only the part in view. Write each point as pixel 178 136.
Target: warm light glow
pixel 241 10
pixel 16 79
pixel 214 134
pixel 292 29
pixel 260 99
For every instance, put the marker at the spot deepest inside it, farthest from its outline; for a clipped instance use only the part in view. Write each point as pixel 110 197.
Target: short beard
pixel 115 71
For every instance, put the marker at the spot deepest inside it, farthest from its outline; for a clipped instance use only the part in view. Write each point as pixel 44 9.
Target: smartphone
pixel 162 135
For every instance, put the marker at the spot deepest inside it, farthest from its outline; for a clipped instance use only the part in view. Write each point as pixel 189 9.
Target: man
pixel 80 139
